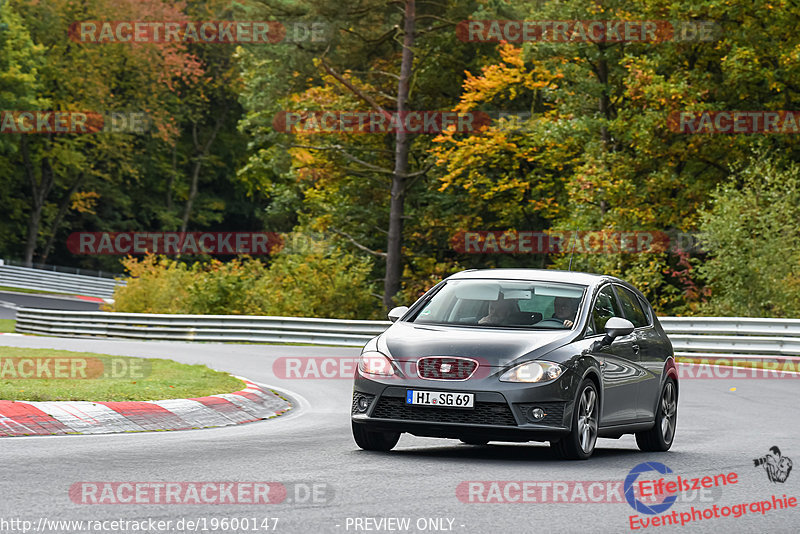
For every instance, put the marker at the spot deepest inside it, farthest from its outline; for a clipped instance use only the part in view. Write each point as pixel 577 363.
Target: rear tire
pixel 580 442
pixel 660 437
pixel 371 440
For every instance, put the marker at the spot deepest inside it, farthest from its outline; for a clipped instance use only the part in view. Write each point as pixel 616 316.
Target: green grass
pixel 7 325
pixel 34 291
pixel 151 379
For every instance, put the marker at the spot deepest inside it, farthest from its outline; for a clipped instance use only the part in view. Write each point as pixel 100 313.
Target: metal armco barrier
pixel 704 337
pixel 72 284
pixel 218 328
pixel 733 337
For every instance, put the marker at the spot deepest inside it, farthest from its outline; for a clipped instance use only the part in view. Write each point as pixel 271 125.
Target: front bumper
pixel 502 410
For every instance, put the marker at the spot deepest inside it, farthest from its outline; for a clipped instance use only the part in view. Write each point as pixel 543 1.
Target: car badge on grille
pixel 446 367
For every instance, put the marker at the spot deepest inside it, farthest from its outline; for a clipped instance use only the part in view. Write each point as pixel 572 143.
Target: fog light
pixel 363 404
pixel 537 413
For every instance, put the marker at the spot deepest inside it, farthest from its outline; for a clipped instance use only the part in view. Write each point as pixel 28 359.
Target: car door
pixel 618 363
pixel 647 347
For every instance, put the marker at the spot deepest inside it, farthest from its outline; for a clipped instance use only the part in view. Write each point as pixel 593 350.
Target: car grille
pixel 484 413
pixel 554 412
pixel 454 368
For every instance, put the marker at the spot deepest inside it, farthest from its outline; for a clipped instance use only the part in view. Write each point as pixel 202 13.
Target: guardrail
pixel 733 337
pixel 72 284
pixel 701 337
pixel 219 328
pixel 62 269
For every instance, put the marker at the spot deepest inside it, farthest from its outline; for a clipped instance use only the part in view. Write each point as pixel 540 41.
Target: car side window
pixel 605 307
pixel 631 307
pixel 648 311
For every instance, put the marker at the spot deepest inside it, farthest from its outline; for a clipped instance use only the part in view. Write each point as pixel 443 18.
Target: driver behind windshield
pixel 564 310
pixel 499 312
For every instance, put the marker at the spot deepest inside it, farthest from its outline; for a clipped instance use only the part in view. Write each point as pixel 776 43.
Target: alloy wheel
pixel 587 419
pixel 668 412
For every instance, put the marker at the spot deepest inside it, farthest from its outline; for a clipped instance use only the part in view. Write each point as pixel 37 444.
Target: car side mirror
pixel 395 313
pixel 617 326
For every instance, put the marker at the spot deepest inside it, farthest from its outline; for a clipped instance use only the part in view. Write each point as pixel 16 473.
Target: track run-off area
pixel 315 479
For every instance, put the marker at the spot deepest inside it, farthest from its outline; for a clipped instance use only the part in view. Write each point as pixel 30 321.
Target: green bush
pixel 218 288
pixel 156 285
pixel 752 235
pixel 320 285
pixel 332 284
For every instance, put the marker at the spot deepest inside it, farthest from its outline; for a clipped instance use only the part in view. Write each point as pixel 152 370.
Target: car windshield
pixel 505 304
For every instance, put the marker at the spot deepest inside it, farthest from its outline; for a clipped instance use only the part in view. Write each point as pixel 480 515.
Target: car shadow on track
pixel 501 452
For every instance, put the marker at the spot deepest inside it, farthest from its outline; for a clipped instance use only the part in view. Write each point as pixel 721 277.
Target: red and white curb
pixel 253 403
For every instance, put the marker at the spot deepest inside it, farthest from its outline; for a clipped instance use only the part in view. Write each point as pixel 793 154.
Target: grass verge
pixel 7 326
pixel 32 291
pixel 55 375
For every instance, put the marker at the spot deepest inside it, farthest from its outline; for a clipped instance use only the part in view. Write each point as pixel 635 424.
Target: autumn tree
pixel 355 186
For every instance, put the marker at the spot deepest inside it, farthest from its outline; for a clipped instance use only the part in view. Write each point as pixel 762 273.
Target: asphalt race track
pixel 51 302
pixel 719 431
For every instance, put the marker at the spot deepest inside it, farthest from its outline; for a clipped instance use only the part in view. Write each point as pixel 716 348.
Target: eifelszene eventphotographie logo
pixel 777 466
pixel 630 486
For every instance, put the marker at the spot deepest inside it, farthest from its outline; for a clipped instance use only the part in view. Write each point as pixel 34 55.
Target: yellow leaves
pixel 505 80
pixel 302 156
pixel 84 201
pixel 512 55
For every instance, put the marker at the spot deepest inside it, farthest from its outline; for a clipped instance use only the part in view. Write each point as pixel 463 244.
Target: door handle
pixel 635 349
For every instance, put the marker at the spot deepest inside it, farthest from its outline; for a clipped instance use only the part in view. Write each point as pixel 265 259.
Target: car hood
pixel 493 347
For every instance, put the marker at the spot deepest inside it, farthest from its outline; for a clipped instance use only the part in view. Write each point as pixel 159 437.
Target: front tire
pixel 660 437
pixel 371 440
pixel 580 442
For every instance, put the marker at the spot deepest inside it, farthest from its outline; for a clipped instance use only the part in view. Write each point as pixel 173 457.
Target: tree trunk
pixel 33 232
pixel 604 104
pixel 201 153
pixel 39 191
pixel 394 260
pixel 172 175
pixel 187 211
pixel 62 211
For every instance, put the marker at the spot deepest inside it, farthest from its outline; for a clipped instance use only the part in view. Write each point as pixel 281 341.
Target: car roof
pixel 547 275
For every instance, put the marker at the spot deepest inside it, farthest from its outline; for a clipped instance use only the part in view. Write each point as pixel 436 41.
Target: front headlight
pixel 533 372
pixel 375 363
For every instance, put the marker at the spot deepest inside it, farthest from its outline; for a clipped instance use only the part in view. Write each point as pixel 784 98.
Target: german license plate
pixel 440 398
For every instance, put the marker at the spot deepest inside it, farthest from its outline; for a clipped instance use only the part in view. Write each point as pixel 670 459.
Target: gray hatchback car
pixel 520 355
